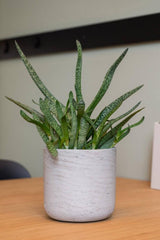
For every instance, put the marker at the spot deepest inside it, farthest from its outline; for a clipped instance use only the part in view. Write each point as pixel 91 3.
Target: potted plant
pixel 80 154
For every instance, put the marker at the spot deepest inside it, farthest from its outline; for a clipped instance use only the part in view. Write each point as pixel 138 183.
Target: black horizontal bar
pixel 126 31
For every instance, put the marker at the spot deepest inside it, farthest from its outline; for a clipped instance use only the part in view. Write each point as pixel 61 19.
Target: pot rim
pixel 85 150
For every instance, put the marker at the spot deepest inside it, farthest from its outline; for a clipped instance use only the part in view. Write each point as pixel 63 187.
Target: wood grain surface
pixel 22 216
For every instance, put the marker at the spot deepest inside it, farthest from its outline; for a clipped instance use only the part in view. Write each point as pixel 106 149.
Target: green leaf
pixel 112 107
pixel 26 108
pixel 121 134
pixel 45 138
pixel 71 126
pixel 73 131
pixel 105 84
pixel 43 135
pixel 44 106
pixel 53 134
pixel 107 112
pixel 114 130
pixel 35 102
pixel 134 125
pixel 109 143
pixel 90 121
pixel 34 76
pixel 84 126
pixel 64 128
pixel 80 102
pixel 59 111
pixel 38 123
pixel 52 149
pixel 63 121
pixel 112 121
pixel 124 132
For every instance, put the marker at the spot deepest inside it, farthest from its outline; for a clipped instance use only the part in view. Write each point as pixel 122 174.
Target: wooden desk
pixel 22 217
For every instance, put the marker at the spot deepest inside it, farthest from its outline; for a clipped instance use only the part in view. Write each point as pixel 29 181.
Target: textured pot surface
pixel 79 185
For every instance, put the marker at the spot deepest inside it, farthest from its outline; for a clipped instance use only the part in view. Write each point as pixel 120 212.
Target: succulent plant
pixel 71 126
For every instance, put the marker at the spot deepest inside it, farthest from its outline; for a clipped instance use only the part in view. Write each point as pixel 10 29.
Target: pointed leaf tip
pixel 78 44
pixel 125 52
pixel 17 45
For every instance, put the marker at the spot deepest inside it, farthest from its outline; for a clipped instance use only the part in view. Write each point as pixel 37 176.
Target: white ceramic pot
pixel 79 185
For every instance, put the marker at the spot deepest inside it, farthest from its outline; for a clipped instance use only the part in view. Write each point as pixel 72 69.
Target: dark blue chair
pixel 11 170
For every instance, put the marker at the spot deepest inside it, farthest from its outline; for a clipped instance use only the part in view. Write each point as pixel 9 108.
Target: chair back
pixel 11 170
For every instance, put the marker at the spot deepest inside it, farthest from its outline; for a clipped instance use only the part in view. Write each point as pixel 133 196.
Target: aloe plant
pixel 71 126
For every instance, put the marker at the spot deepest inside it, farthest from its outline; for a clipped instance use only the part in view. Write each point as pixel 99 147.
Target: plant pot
pixel 79 185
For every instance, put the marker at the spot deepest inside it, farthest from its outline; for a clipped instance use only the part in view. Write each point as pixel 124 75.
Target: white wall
pixel 20 17
pixel 18 139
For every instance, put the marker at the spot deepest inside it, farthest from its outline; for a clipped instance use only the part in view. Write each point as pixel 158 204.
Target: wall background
pixel 18 139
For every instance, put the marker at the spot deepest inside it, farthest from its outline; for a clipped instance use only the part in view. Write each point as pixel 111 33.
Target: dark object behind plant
pixel 11 170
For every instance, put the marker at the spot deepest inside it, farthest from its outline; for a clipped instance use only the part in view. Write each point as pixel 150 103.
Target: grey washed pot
pixel 79 185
